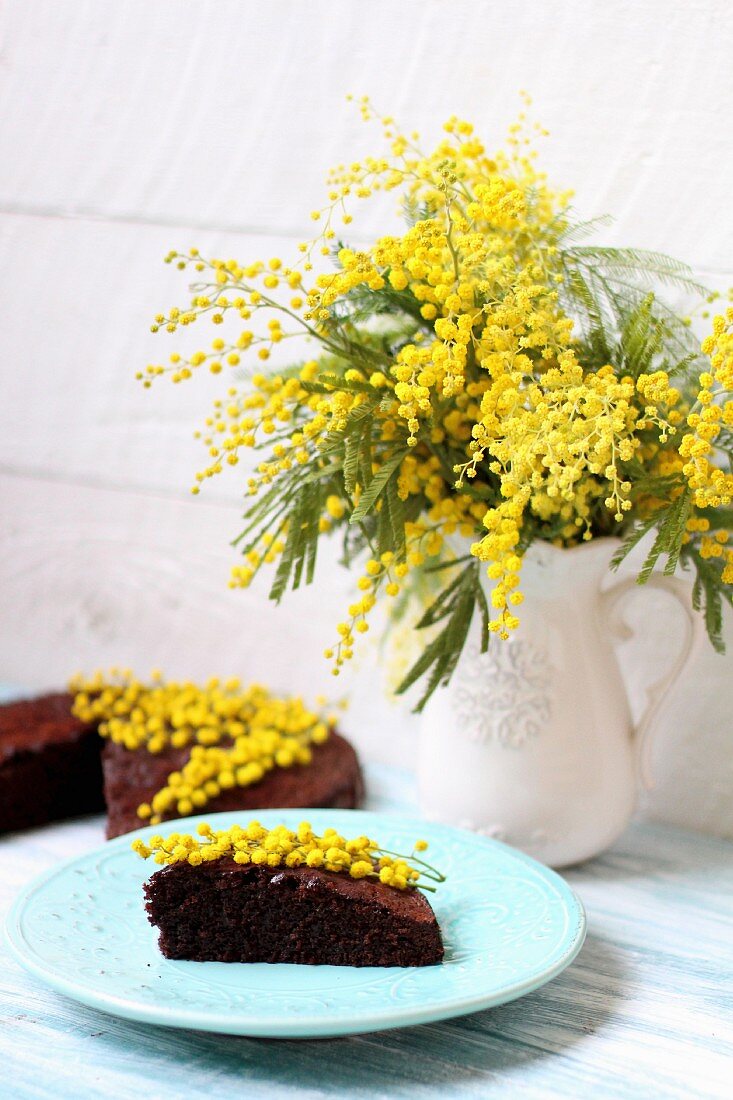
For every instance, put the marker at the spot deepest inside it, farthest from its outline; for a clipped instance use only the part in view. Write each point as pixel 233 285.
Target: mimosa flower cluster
pixel 479 381
pixel 237 735
pixel 711 416
pixel 360 857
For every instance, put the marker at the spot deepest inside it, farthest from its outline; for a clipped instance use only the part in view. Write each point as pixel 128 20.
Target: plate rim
pixel 206 1020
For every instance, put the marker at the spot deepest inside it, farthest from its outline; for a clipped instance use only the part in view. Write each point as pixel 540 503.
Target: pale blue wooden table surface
pixel 645 1011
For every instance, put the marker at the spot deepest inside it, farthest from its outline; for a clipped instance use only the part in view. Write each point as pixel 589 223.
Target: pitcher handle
pixel 656 692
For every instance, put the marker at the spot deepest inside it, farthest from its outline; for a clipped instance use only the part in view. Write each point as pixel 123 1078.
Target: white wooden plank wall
pixel 129 127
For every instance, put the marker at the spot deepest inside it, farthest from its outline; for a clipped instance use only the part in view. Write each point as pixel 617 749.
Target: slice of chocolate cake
pixel 332 779
pixel 49 763
pixel 223 911
pixel 252 894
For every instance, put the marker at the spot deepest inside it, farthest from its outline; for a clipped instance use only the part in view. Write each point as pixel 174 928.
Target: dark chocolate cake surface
pixel 49 763
pixel 50 769
pixel 228 912
pixel 333 779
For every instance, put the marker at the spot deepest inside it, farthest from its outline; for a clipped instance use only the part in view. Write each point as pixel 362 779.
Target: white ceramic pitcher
pixel 532 742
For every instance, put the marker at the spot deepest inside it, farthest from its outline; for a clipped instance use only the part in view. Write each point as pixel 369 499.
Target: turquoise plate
pixel 509 925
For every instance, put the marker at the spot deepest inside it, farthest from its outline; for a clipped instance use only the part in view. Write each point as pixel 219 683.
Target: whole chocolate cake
pixel 332 778
pixel 175 748
pixel 226 747
pixel 49 763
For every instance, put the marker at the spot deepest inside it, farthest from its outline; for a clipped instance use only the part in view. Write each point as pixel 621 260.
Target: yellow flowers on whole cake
pixel 172 748
pixel 482 378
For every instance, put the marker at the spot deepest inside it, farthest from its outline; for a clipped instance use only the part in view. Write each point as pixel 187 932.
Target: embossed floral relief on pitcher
pixel 532 742
pixel 513 703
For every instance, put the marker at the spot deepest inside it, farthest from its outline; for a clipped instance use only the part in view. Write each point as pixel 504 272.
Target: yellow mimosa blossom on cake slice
pixel 359 857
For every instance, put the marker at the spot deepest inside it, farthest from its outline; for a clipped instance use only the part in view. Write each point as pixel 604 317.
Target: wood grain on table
pixel 645 1011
